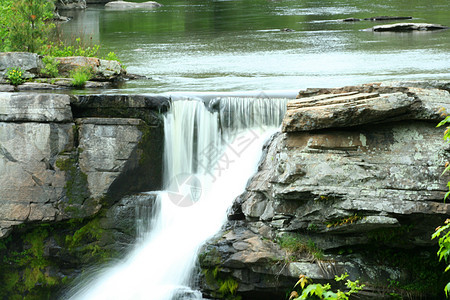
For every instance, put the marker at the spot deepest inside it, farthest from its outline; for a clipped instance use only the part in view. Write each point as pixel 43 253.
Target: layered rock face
pixel 55 167
pixel 352 184
pixel 65 164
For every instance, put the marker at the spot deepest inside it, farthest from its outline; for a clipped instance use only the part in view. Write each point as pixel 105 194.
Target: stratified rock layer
pixel 54 167
pixel 355 172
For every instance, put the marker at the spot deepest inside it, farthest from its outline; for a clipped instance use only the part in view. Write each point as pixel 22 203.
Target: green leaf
pixel 446 289
pixel 446 120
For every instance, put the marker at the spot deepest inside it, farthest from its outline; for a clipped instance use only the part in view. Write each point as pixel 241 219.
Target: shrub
pixel 81 75
pixel 6 14
pixel 50 66
pixel 15 75
pixel 78 48
pixel 28 29
pixel 320 291
pixel 444 247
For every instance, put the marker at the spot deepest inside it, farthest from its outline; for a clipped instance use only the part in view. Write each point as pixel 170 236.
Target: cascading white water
pixel 206 167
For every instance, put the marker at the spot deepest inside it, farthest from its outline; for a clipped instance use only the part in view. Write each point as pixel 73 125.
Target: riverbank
pixel 32 72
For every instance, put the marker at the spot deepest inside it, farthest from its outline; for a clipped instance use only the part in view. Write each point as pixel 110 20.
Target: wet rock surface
pixel 402 27
pixel 353 179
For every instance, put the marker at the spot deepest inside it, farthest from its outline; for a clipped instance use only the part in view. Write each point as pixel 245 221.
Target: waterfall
pixel 208 159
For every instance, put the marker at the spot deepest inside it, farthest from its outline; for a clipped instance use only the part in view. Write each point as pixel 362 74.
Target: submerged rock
pixel 378 18
pixel 401 27
pixel 353 178
pixel 132 5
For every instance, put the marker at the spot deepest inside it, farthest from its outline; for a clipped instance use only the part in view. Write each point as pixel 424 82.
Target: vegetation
pixel 50 66
pixel 81 75
pixel 24 24
pixel 443 232
pixel 15 76
pixel 444 247
pixel 298 247
pixel 30 256
pixel 77 48
pixel 344 221
pixel 320 291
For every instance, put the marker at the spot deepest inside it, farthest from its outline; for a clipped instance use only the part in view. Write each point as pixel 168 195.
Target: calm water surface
pixel 238 45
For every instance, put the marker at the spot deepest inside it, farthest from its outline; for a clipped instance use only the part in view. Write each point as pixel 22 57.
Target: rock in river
pixel 400 27
pixel 132 5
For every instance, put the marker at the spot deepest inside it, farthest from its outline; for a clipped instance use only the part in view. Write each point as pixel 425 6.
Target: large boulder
pixel 353 179
pixel 29 62
pixel 101 69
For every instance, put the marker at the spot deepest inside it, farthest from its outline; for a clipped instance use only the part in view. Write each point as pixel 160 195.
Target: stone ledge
pixel 35 108
pixel 109 121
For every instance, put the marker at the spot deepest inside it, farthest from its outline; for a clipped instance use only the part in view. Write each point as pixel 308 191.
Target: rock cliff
pixel 65 164
pixel 351 184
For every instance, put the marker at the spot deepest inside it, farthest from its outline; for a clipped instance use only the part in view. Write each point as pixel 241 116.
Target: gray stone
pixel 109 146
pixel 33 86
pixel 16 107
pixel 101 69
pixel 132 5
pixel 30 184
pixel 6 88
pixel 29 62
pixel 401 27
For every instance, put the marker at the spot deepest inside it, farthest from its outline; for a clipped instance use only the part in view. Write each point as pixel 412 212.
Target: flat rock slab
pixel 35 108
pixel 377 18
pixel 401 27
pixel 132 5
pixel 341 110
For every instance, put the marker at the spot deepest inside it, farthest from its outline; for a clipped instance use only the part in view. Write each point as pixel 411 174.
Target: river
pixel 222 46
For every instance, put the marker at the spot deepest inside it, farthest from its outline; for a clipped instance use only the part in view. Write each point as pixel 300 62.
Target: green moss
pixel 228 286
pixel 76 187
pixel 145 143
pixel 209 258
pixel 87 240
pixel 24 269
